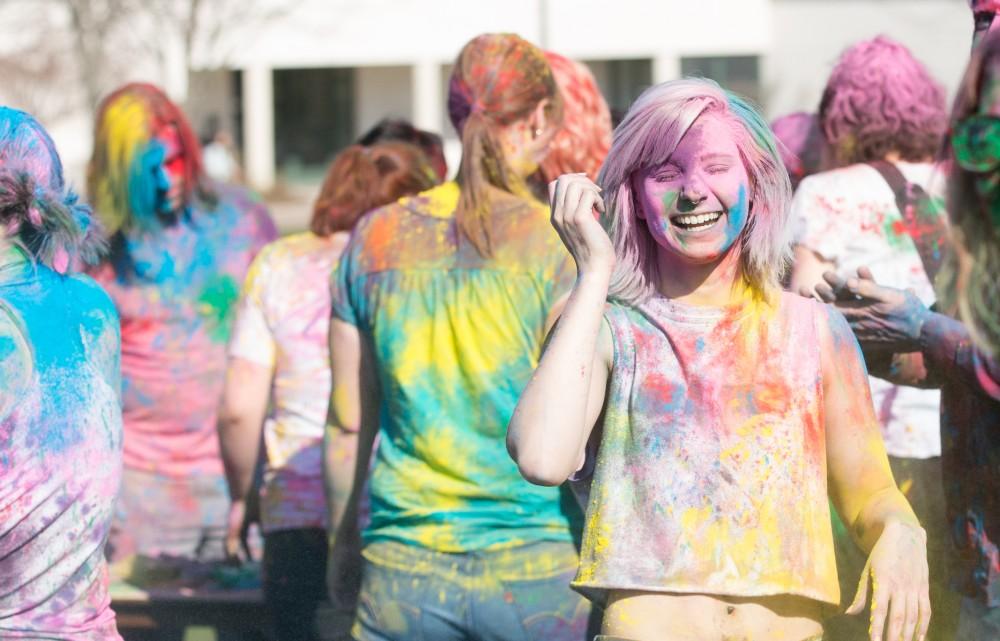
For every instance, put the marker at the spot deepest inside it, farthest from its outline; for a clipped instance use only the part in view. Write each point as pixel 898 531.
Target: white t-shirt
pixel 849 216
pixel 282 322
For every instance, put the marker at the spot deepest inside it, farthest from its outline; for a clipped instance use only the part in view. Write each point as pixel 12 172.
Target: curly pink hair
pixel 585 137
pixel 880 99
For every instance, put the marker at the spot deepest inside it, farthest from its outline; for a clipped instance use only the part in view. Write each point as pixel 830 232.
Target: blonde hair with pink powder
pixel 647 136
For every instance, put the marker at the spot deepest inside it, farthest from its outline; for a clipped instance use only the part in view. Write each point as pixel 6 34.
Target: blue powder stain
pixel 7 347
pixel 148 184
pixel 738 216
pixel 699 344
pixel 677 396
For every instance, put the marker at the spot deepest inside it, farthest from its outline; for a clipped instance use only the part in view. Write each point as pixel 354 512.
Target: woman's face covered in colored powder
pixel 170 172
pixel 695 204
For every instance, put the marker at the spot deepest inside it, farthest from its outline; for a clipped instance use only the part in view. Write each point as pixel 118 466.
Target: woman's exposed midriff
pixel 652 616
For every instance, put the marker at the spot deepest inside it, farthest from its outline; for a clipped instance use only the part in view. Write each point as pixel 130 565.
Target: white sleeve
pixel 252 338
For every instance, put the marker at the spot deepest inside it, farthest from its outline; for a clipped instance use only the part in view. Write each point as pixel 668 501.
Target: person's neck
pixel 715 284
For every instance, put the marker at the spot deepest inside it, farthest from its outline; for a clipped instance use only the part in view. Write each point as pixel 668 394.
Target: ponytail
pixel 498 79
pixel 483 165
pixel 54 228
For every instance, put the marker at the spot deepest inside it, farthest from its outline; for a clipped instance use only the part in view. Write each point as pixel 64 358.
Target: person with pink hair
pixel 582 142
pixel 714 414
pixel 800 144
pixel 959 343
pixel 883 118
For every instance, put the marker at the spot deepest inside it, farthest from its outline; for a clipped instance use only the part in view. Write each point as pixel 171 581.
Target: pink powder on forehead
pixel 984 5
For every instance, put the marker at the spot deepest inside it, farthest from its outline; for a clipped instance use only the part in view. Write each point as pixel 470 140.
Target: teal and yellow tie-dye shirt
pixel 456 337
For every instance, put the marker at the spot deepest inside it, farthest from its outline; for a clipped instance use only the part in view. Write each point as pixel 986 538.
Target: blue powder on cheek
pixel 148 184
pixel 737 217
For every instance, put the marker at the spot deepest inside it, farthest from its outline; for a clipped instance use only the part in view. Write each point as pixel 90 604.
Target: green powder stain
pixel 216 304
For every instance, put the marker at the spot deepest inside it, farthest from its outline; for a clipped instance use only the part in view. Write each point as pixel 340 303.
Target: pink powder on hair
pixel 801 143
pixel 881 99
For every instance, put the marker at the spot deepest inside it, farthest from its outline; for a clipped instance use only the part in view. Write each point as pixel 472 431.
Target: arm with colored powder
pixel 549 429
pixel 245 395
pixel 241 421
pixel 888 320
pixel 866 496
pixel 352 425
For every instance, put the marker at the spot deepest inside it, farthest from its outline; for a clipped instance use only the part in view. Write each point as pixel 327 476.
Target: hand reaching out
pixel 574 198
pixel 882 318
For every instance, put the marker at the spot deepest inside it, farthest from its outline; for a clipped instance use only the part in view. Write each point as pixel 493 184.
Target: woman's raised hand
pixel 897 573
pixel 574 198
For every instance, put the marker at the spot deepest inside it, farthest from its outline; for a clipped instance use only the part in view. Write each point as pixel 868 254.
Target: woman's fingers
pixel 912 616
pixel 880 611
pixel 563 190
pixel 924 601
pixel 897 617
pixel 861 596
pixel 825 293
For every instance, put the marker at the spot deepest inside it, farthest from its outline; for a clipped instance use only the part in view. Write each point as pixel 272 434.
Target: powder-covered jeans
pixel 520 594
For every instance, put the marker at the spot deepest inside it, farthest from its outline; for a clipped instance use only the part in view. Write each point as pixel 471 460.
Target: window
pixel 621 82
pixel 313 118
pixel 740 74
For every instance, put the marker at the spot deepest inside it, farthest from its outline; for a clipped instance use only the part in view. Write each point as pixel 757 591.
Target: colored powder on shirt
pixel 175 289
pixel 710 471
pixel 60 452
pixel 282 322
pixel 456 337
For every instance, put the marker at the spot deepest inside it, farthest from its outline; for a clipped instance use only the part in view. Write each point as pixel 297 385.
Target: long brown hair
pixel 968 283
pixel 498 79
pixel 362 178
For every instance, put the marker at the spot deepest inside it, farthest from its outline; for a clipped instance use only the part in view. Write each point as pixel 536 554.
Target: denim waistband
pixel 541 560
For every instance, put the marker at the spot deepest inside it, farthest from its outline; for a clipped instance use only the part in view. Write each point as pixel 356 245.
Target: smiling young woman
pixel 713 415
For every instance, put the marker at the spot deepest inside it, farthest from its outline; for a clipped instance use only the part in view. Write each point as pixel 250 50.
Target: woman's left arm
pixel 865 494
pixel 245 396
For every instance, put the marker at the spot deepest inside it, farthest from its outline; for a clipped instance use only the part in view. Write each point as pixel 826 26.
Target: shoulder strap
pixel 926 228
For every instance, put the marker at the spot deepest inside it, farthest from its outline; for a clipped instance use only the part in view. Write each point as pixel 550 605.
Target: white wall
pixel 210 93
pixel 389 32
pixel 381 92
pixel 348 33
pixel 811 34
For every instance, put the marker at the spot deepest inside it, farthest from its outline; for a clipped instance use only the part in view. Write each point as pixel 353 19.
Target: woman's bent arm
pixel 866 496
pixel 557 410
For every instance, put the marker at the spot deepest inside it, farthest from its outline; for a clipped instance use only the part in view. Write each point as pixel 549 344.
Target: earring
pixel 538 132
